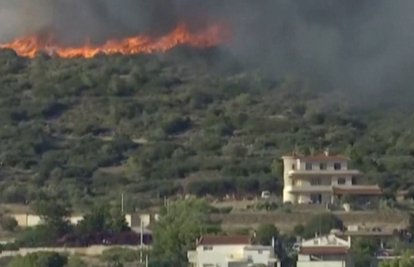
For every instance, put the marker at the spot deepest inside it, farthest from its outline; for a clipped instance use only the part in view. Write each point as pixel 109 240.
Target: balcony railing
pixel 323 172
pixel 312 188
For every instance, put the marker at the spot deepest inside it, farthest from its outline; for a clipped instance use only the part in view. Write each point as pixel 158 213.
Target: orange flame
pixel 28 46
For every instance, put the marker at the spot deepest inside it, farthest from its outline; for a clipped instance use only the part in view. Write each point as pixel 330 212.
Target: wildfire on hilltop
pixel 29 46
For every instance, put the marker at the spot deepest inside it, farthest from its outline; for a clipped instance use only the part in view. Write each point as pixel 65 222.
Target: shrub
pixel 265 233
pixel 8 224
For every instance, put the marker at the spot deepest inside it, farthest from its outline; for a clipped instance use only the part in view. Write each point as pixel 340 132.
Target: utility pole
pixel 141 241
pixel 146 260
pixel 122 202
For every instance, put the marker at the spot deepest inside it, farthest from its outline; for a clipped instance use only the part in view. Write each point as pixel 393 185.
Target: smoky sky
pixel 356 44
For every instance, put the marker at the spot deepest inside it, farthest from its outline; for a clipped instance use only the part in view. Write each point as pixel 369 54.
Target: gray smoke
pixel 357 44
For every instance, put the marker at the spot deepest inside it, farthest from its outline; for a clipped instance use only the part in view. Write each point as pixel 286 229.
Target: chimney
pixel 273 242
pixel 326 152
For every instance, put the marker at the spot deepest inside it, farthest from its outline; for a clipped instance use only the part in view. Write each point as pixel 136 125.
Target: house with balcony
pixel 324 178
pixel 231 251
pixel 325 251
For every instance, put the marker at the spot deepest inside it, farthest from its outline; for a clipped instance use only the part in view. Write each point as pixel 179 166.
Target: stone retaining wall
pixel 397 219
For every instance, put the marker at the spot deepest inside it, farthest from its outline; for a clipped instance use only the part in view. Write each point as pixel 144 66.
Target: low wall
pixel 29 220
pixel 86 251
pixel 385 218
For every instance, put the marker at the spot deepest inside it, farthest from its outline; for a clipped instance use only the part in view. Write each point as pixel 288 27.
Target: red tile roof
pixel 323 250
pixel 319 156
pixel 224 240
pixel 323 156
pixel 358 190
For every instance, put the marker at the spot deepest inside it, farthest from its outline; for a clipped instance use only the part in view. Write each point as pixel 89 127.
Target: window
pixel 337 166
pixel 207 248
pixel 308 166
pixel 316 242
pixel 260 251
pixel 341 181
pixel 293 167
pixel 316 181
pixel 354 181
pixel 322 166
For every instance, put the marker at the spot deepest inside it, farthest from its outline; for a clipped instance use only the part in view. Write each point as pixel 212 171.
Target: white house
pixel 231 251
pixel 323 178
pixel 325 251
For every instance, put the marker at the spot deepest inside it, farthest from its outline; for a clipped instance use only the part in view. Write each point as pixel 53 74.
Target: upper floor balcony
pixel 316 172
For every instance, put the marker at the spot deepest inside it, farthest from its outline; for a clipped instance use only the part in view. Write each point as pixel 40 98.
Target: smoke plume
pixel 357 44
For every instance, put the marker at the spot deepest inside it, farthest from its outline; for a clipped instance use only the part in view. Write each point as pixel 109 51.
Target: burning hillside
pixel 210 36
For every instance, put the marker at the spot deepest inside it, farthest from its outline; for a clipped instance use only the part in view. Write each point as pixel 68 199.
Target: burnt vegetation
pixel 182 121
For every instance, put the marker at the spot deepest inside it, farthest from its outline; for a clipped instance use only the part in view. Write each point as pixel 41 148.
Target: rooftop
pixel 365 234
pixel 326 155
pixel 324 250
pixel 224 240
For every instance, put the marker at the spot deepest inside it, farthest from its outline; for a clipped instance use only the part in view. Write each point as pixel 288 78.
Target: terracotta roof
pixel 323 156
pixel 323 250
pixel 358 190
pixel 224 240
pixel 318 156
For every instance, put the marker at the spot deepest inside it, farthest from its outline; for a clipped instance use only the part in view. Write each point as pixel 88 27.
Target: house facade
pixel 231 251
pixel 325 251
pixel 323 178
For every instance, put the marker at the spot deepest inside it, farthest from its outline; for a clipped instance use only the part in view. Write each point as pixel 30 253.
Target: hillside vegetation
pixel 186 120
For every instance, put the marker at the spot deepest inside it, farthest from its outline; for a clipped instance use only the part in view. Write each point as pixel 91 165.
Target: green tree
pixel 299 229
pixel 118 222
pixel 322 224
pixel 54 215
pixel 410 227
pixel 36 236
pixel 100 219
pixel 8 224
pixel 363 249
pixel 265 233
pixel 180 223
pixel 405 260
pixel 94 221
pixel 76 261
pixel 277 167
pixel 39 259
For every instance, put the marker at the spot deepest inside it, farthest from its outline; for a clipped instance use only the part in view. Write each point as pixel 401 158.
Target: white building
pixel 325 251
pixel 323 178
pixel 231 251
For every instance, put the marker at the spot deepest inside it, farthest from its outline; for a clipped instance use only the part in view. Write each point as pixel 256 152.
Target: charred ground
pixel 182 121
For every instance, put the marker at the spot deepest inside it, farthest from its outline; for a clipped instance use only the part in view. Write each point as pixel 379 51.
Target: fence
pixel 86 251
